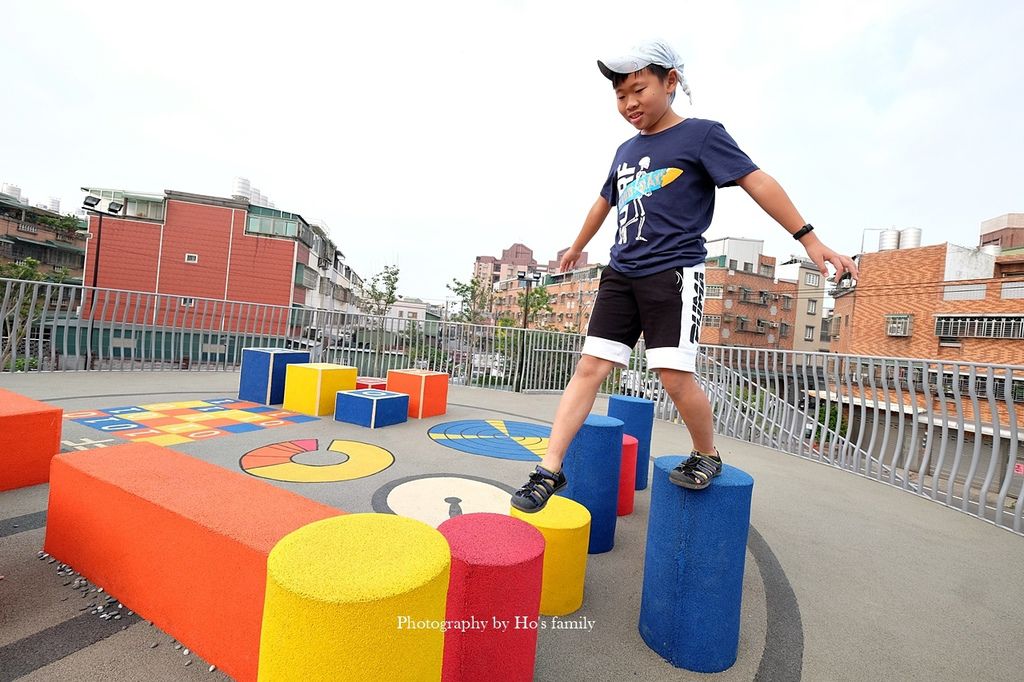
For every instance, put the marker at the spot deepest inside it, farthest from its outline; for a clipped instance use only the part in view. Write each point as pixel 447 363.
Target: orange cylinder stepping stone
pixel 29 438
pixel 182 542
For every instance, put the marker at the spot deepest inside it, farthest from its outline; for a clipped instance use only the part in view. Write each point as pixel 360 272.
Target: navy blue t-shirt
pixel 662 187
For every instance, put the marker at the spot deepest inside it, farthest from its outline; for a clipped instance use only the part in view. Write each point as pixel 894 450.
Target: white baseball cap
pixel 640 57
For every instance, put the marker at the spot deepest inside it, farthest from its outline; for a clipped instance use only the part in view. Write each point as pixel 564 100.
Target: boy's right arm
pixel 595 218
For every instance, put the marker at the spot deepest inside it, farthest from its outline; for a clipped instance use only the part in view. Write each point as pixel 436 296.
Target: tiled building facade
pixel 748 307
pixel 944 302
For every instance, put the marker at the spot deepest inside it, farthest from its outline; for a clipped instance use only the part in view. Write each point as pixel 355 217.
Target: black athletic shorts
pixel 666 307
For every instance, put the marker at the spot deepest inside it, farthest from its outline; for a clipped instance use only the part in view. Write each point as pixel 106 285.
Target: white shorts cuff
pixel 682 359
pixel 607 350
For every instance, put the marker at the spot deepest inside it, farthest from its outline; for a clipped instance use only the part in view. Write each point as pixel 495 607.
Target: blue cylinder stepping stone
pixel 637 415
pixel 693 568
pixel 591 466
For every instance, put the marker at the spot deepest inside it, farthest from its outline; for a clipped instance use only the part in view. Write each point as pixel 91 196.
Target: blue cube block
pixel 263 372
pixel 371 407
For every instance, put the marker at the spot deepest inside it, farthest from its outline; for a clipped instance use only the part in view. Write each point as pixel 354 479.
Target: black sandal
pixel 696 472
pixel 535 494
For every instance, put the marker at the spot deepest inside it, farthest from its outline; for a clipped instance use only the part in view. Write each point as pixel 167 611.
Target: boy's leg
pixel 573 408
pixel 671 307
pixel 613 331
pixel 693 406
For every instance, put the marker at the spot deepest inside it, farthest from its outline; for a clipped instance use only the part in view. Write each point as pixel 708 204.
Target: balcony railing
pixel 946 431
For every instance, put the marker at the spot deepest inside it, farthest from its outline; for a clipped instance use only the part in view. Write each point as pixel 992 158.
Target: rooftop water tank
pixel 11 190
pixel 910 238
pixel 241 188
pixel 889 240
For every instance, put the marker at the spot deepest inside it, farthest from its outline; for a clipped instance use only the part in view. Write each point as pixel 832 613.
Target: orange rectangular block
pixel 427 391
pixel 29 438
pixel 182 542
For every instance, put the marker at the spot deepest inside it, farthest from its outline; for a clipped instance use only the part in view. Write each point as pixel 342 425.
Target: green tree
pixel 379 293
pixel 24 310
pixel 475 298
pixel 27 269
pixel 68 223
pixel 538 301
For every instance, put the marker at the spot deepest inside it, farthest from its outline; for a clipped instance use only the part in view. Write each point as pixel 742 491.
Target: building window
pixel 140 208
pixel 812 307
pixel 713 291
pixel 787 302
pixel 748 267
pixel 766 270
pixel 732 264
pixel 712 321
pixel 812 279
pixel 986 327
pixel 1012 290
pixel 268 225
pixel 963 292
pixel 897 325
pixel 413 315
pixel 762 326
pixel 783 331
pixel 188 303
pixel 305 276
pixel 191 257
pixel 809 333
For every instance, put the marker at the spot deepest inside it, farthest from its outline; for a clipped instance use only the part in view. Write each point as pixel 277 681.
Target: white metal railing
pixel 947 431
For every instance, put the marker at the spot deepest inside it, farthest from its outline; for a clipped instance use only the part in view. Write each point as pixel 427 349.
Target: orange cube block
pixel 29 438
pixel 427 391
pixel 182 542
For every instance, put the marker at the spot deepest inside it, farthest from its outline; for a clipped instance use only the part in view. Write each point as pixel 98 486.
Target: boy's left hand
pixel 821 254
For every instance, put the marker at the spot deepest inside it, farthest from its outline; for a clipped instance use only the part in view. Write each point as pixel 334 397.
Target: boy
pixel 662 184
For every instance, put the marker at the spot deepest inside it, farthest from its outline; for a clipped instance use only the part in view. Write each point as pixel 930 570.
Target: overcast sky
pixel 427 133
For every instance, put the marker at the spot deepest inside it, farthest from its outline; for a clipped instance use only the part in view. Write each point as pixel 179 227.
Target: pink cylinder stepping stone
pixel 493 598
pixel 627 475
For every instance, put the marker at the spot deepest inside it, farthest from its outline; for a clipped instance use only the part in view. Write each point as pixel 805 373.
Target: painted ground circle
pixel 302 461
pixel 435 498
pixel 494 438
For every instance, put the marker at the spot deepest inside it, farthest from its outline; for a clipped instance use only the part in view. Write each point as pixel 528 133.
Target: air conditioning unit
pixel 731 289
pixel 323 263
pixel 773 325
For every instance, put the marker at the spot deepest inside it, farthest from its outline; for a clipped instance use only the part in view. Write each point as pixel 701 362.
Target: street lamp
pixel 529 278
pixel 90 203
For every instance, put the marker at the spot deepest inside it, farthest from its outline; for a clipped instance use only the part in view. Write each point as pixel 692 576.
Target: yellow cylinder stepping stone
pixel 565 525
pixel 356 597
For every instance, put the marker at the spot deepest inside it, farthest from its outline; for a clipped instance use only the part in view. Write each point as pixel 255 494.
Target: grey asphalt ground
pixel 846 579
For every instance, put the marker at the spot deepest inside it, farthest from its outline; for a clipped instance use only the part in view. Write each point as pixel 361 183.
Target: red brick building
pixel 940 302
pixel 748 307
pixel 33 232
pixel 190 247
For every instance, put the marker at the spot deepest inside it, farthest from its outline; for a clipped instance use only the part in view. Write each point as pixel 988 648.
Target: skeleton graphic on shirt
pixel 632 211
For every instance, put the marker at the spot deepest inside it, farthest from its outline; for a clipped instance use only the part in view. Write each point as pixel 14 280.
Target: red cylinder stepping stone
pixel 627 475
pixel 493 598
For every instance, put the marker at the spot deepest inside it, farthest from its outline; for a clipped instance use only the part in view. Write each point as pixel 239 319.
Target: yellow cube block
pixel 311 387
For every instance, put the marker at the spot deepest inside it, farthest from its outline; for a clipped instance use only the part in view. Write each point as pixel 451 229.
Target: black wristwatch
pixel 806 229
